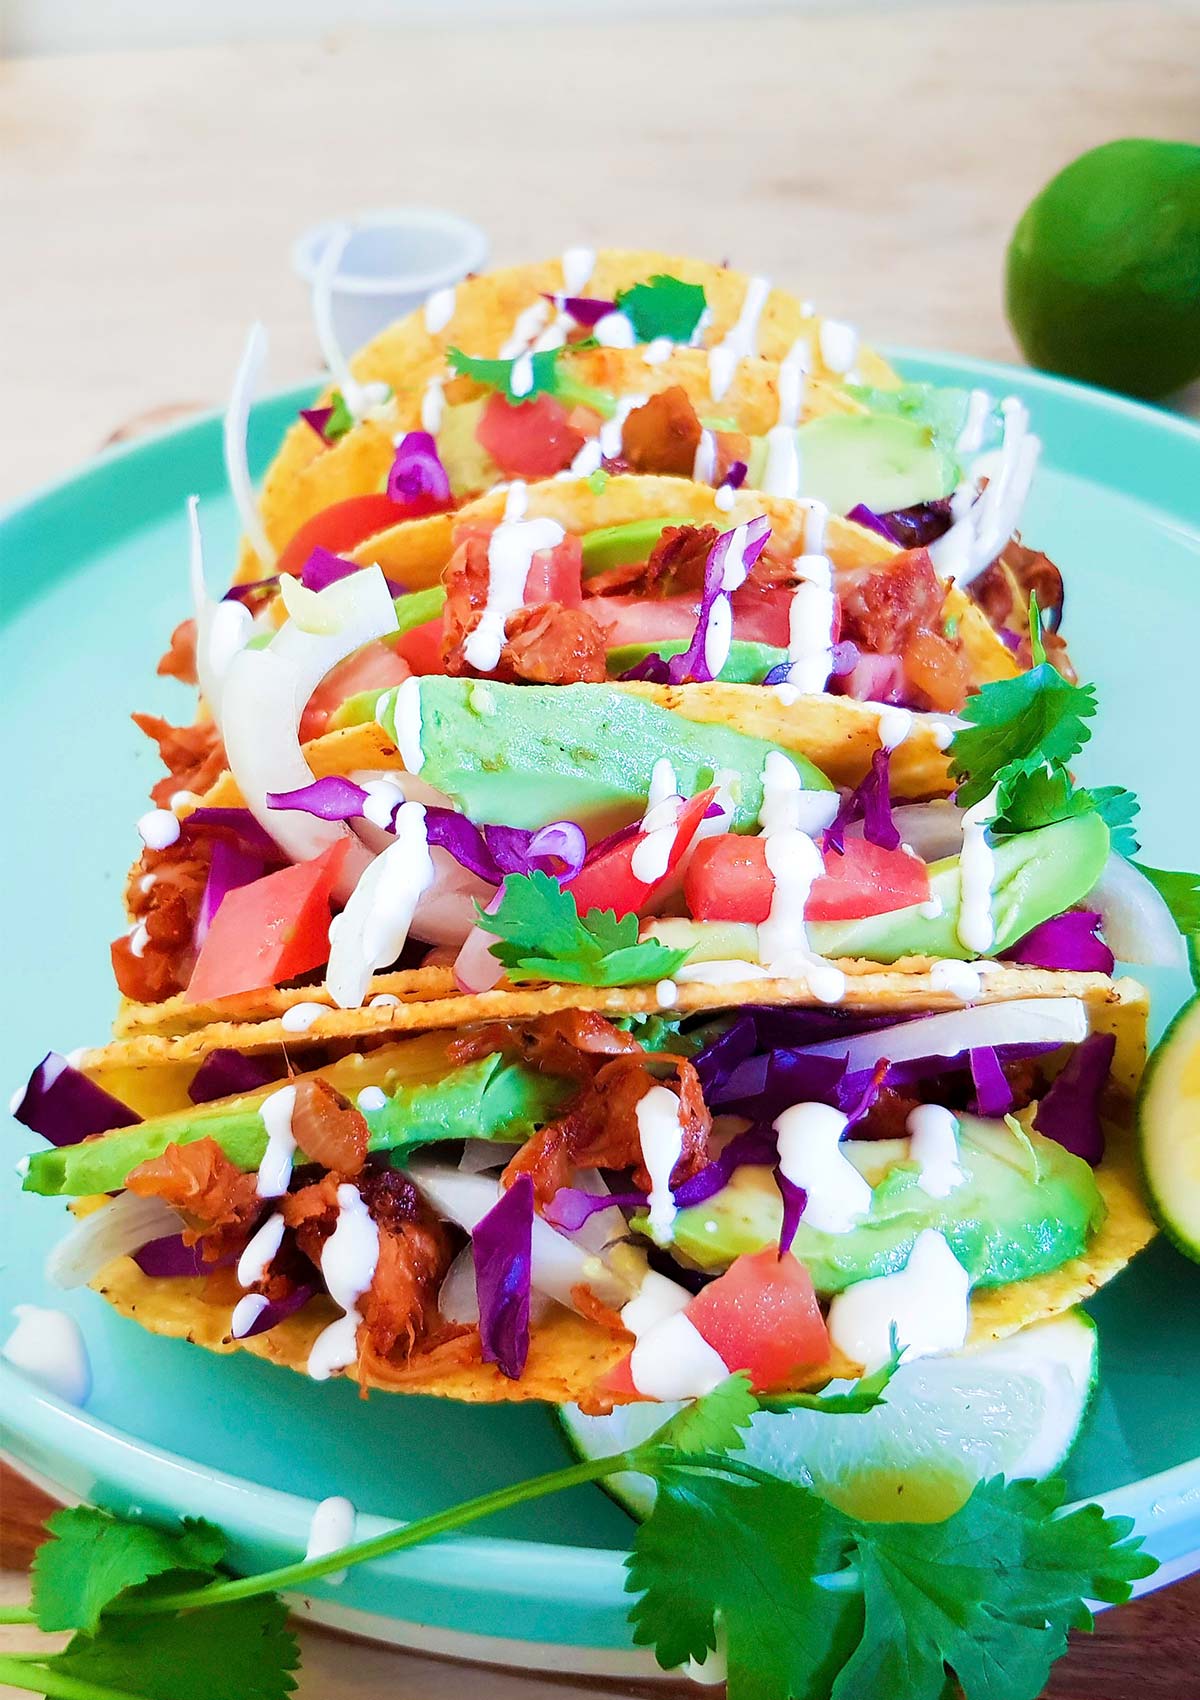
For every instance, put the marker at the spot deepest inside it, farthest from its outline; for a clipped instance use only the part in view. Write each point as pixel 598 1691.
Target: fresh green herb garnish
pixel 1180 893
pixel 597 481
pixel 657 1033
pixel 543 937
pixel 340 419
pixel 808 1602
pixel 665 306
pixel 542 375
pixel 1017 725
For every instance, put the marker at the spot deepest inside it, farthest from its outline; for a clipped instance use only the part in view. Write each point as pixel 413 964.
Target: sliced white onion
pixel 458 1300
pixel 115 1230
pixel 558 1264
pixel 222 628
pixel 1025 1021
pixel 237 421
pixel 475 968
pixel 480 1155
pixel 604 1226
pixel 1136 923
pixel 373 928
pixel 983 525
pixel 933 829
pixel 264 695
pixel 445 914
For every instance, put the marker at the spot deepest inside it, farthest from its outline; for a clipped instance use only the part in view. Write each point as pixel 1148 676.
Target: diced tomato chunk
pixel 421 647
pixel 374 667
pixel 609 882
pixel 270 930
pixel 341 527
pixel 556 575
pixel 528 439
pixel 728 880
pixel 657 619
pixel 762 1316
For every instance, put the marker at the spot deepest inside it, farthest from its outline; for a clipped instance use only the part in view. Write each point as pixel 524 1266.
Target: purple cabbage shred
pixel 870 802
pixel 502 1247
pixel 1069 1112
pixel 226 1073
pixel 1069 942
pixel 62 1105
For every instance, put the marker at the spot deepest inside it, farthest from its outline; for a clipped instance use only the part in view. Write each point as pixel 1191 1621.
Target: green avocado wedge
pixel 1021 1210
pixel 522 755
pixel 623 545
pixel 746 664
pixel 487 1099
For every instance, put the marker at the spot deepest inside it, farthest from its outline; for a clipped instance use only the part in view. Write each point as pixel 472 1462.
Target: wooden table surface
pixel 873 160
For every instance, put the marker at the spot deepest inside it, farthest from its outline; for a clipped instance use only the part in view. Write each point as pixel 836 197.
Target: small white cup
pixel 393 260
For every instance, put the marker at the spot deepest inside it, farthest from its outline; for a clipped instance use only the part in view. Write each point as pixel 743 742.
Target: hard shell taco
pixel 569 1206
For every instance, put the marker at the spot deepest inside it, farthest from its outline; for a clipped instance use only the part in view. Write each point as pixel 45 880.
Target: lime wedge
pixel 1168 1124
pixel 1011 1408
pixel 1103 273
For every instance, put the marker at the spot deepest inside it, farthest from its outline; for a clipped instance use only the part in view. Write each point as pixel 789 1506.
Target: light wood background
pixel 875 161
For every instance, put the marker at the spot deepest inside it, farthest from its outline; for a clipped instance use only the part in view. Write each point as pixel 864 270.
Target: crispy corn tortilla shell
pixel 569 1355
pixel 486 308
pixel 359 462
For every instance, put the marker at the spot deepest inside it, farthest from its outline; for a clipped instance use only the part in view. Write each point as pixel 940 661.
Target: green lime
pixel 1103 269
pixel 1013 1407
pixel 1168 1123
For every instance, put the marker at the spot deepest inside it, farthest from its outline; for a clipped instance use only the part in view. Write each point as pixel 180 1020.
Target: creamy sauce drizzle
pixel 433 405
pixel 332 1528
pixel 960 979
pixel 926 1302
pixel 934 1148
pixel 976 927
pixel 652 853
pixel 838 343
pixel 406 716
pixel 811 612
pixel 439 309
pixel 660 1133
pixel 704 465
pixel 741 339
pixel 48 1346
pixel 811 1156
pixel 300 1017
pixel 256 1259
pixel 895 724
pixel 348 1261
pixel 511 549
pixel 984 523
pixel 275 1170
pixel 372 929
pixel 158 829
pixel 795 863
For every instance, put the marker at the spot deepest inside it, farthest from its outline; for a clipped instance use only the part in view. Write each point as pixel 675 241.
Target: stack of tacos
pixel 622 913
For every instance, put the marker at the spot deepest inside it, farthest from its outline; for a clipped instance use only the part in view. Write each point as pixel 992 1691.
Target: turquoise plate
pixel 94 580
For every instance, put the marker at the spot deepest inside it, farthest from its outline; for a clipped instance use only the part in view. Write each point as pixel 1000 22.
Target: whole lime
pixel 1103 271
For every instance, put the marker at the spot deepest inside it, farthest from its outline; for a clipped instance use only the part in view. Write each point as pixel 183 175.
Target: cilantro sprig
pixel 539 374
pixel 544 937
pixel 808 1602
pixel 664 306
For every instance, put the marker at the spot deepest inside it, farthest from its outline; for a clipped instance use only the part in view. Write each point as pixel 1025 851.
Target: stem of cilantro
pixel 18 1671
pixel 16 1614
pixel 290 1576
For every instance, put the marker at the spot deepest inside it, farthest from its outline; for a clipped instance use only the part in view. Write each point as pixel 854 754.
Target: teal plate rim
pixel 584 1585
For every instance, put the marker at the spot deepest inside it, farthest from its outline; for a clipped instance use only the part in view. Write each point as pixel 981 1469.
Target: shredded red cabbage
pixel 226 1073
pixel 247 592
pixel 795 1199
pixel 324 568
pixel 871 803
pixel 736 476
pixel 920 525
pixel 1070 941
pixel 169 1257
pixel 571 1206
pixel 875 678
pixel 993 1095
pixel 586 310
pixel 865 516
pixel 502 1247
pixel 844 658
pixel 725 571
pixel 239 826
pixel 330 798
pixel 318 418
pixel 230 868
pixel 418 482
pixel 1069 1113
pixel 276 1311
pixel 64 1106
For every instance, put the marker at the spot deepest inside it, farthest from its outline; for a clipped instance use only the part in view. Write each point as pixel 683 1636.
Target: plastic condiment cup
pixel 394 259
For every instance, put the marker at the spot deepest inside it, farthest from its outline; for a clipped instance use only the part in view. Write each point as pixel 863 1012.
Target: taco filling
pixel 786 1191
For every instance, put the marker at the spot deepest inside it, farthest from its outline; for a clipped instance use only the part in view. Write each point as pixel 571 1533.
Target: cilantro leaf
pixel 665 306
pixel 1118 809
pixel 543 376
pixel 1025 722
pixel 94 1557
pixel 865 1394
pixel 243 1651
pixel 1180 892
pixel 751 1553
pixel 542 936
pixel 713 1423
pixel 989 1593
pixel 340 418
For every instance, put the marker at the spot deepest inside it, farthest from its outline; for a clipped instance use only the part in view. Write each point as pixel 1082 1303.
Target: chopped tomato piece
pixel 270 930
pixel 728 880
pixel 762 1316
pixel 556 575
pixel 866 880
pixel 640 619
pixel 374 667
pixel 341 527
pixel 528 439
pixel 610 882
pixel 421 647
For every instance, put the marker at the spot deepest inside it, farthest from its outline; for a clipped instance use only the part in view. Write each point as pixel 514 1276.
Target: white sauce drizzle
pixel 612 433
pixel 811 612
pixel 256 1259
pixel 657 1298
pixel 511 549
pixel 811 1156
pixel 960 979
pixel 406 717
pixel 275 1170
pixel 529 326
pixel 658 825
pixel 578 264
pixel 722 971
pixel 383 1000
pixel 926 1302
pixel 894 724
pixel 615 330
pixel 795 862
pixel 666 994
pixel 433 405
pixel 660 1132
pixel 439 309
pixel 781 474
pixel 704 465
pixel 300 1017
pixel 586 461
pixel 158 829
pixel 657 351
pixel 246 1313
pixel 383 798
pixel 332 1528
pixel 934 1148
pixel 741 339
pixel 970 438
pixel 371 1098
pixel 983 526
pixel 724 498
pixel 521 379
pixel 48 1346
pixel 139 938
pixel 975 927
pixel 348 1261
pixel 793 376
pixel 373 927
pixel 838 343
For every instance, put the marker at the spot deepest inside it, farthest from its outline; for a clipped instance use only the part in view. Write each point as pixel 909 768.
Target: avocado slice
pixel 417 607
pixel 1019 1212
pixel 523 755
pixel 620 545
pixel 886 461
pixel 1037 875
pixel 487 1099
pixel 748 663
